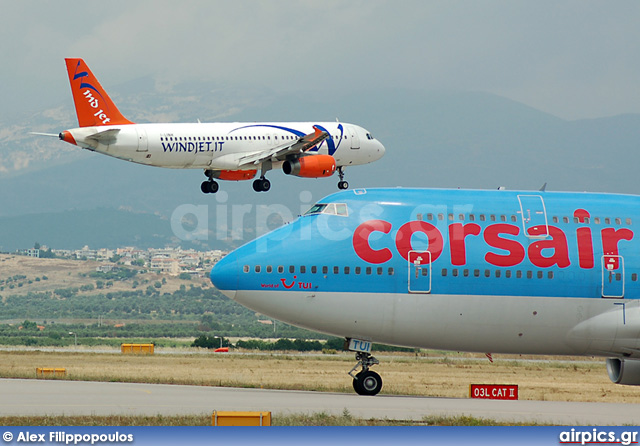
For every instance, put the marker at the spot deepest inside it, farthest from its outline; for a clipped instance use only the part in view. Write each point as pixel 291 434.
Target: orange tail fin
pixel 94 107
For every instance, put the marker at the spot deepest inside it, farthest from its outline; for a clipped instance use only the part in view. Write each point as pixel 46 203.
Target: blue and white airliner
pixel 225 151
pixel 498 271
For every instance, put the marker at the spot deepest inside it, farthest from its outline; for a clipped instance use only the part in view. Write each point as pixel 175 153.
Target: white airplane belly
pixel 497 324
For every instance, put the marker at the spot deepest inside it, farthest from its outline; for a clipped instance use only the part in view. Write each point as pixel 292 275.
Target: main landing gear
pixel 209 187
pixel 342 184
pixel 261 184
pixel 366 382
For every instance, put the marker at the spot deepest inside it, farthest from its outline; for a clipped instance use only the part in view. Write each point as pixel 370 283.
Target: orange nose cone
pixel 66 136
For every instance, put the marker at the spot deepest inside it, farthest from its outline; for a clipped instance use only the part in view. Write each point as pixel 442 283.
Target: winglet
pixel 94 107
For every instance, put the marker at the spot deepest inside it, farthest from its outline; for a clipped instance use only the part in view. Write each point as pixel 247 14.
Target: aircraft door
pixel 534 214
pixel 143 143
pixel 353 136
pixel 419 268
pixel 613 276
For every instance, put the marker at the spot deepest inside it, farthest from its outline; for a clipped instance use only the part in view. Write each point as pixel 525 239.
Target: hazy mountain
pixel 445 139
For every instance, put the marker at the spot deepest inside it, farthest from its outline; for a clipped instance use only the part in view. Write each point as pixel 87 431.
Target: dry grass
pixel 577 380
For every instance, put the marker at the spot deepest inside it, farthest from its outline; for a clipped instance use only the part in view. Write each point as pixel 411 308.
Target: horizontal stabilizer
pixel 106 137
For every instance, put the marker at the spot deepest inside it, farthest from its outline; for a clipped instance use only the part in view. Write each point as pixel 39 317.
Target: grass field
pixel 441 376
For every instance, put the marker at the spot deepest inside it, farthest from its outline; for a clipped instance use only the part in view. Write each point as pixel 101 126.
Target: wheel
pixel 209 187
pixel 343 185
pixel 367 383
pixel 266 185
pixel 257 185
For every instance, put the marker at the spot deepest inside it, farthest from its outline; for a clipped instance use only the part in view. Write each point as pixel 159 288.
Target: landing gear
pixel 261 184
pixel 366 382
pixel 209 187
pixel 342 184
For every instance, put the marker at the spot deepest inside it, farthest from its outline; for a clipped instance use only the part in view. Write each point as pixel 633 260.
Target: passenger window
pixel 390 271
pixel 303 269
pixel 454 272
pixel 507 274
pixel 440 217
pixel 444 272
pixel 325 269
pixel 419 217
pixel 425 272
pixel 503 218
pixel 257 269
pixel 497 273
pixel 429 216
pixel 292 269
pixel 336 270
pixel 565 219
pixel 280 269
pixel 628 221
pixel 607 221
pixel 518 274
pixel 634 277
pixel 482 217
pixel 540 274
pixel 368 270
pixel 245 268
pixel 472 217
pixel 618 221
pixel 379 270
pixel 476 273
pixel 465 273
pixel 487 273
pixel 529 274
pixel 358 270
pixel 514 218
pixel 555 219
pixel 314 269
pixel 269 268
pixel 550 275
pixel 346 270
pixel 461 217
pixel 492 217
pixel 450 217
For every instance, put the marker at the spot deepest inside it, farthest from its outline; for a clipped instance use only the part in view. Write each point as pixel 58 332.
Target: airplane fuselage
pixel 220 146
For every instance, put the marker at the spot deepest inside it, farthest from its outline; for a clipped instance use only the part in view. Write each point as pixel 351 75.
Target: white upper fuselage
pixel 221 145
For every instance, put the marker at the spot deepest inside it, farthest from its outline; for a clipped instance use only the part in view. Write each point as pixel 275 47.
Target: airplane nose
pixel 381 150
pixel 224 275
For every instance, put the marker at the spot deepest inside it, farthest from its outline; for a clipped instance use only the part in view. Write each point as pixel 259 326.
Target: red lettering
pixel 457 233
pixel 361 241
pixel 493 239
pixel 406 231
pixel 558 243
pixel 585 247
pixel 610 239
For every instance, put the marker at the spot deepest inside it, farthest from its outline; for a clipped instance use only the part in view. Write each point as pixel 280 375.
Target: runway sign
pixel 226 418
pixel 494 391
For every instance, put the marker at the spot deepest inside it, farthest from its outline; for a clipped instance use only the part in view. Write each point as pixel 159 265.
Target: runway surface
pixel 42 397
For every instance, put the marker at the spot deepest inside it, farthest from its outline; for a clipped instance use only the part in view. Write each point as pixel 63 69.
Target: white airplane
pixel 225 151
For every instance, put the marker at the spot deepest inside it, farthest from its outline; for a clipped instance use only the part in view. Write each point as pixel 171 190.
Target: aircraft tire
pixel 266 185
pixel 343 185
pixel 367 383
pixel 257 185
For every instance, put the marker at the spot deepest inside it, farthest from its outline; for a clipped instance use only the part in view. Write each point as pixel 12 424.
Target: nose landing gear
pixel 342 184
pixel 366 382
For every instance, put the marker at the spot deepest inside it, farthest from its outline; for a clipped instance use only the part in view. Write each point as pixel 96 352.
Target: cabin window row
pixel 292 269
pixel 230 138
pixel 514 218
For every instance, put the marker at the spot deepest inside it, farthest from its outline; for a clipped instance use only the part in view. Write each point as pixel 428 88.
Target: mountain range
pixel 55 193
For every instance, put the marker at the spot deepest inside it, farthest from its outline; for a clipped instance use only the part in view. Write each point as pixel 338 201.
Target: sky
pixel 573 59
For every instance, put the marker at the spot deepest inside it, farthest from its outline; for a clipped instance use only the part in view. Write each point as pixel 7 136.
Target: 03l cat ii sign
pixel 494 391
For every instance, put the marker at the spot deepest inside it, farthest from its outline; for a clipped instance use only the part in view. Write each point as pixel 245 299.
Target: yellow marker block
pixel 137 348
pixel 47 372
pixel 226 418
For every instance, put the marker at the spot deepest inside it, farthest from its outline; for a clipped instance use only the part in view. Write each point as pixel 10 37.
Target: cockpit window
pixel 329 209
pixel 369 136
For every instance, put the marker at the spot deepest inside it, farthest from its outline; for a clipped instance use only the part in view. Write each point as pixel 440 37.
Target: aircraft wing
pixel 280 153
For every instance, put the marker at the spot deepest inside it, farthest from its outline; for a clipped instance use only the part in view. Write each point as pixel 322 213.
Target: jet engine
pixel 624 371
pixel 312 166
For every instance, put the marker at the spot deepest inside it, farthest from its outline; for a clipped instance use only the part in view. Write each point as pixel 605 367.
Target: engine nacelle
pixel 312 166
pixel 624 371
pixel 234 175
